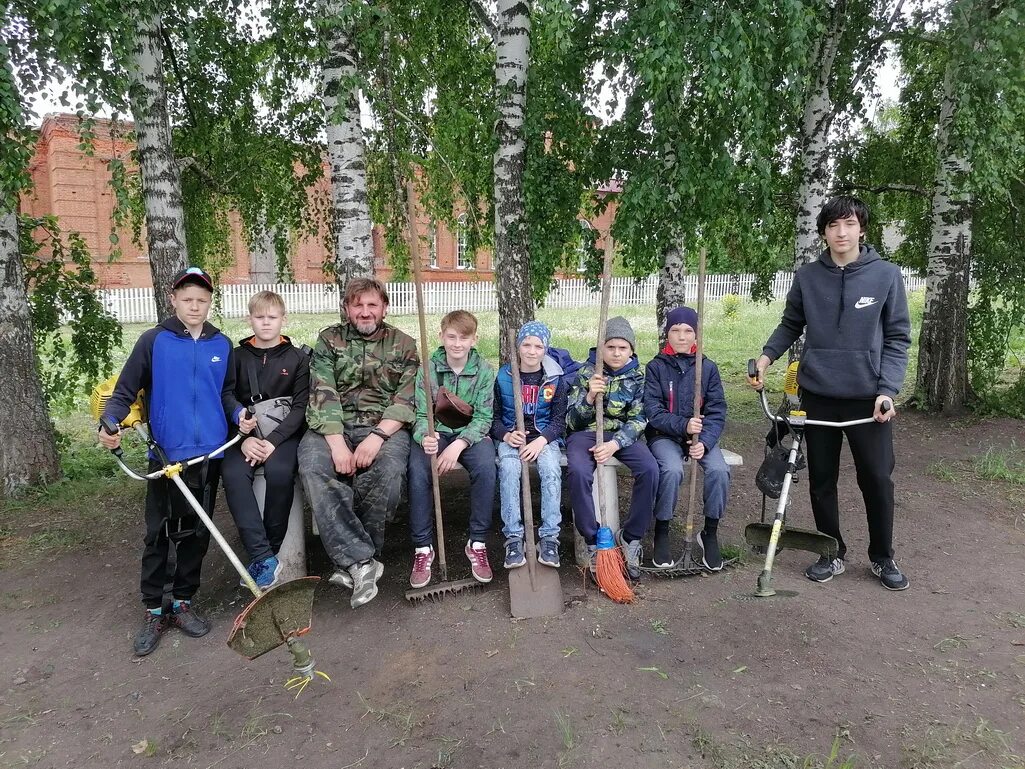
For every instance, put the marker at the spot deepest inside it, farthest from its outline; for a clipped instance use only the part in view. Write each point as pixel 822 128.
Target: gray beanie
pixel 619 328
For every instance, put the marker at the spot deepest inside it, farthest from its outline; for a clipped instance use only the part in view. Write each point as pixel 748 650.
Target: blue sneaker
pixel 265 573
pixel 514 557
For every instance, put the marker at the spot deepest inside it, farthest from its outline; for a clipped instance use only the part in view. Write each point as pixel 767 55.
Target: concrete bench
pixel 292 553
pixel 604 474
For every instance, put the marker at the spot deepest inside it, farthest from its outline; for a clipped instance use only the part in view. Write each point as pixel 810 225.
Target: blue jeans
pixel 479 461
pixel 509 475
pixel 672 471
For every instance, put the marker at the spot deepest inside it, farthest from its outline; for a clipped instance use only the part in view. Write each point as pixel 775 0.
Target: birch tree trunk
pixel 942 379
pixel 161 177
pixel 816 121
pixel 28 453
pixel 350 209
pixel 512 261
pixel 672 287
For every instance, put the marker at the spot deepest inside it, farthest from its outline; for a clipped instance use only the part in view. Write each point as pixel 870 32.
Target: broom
pixel 610 568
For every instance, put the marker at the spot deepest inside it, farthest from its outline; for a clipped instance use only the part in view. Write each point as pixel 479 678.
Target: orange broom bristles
pixel 610 572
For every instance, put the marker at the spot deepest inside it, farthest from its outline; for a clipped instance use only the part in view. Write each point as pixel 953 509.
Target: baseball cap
pixel 192 275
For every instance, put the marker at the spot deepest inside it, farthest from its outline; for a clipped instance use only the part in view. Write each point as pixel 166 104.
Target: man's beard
pixel 366 328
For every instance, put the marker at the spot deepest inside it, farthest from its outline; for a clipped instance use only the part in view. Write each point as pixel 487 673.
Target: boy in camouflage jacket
pixel 623 387
pixel 352 460
pixel 464 373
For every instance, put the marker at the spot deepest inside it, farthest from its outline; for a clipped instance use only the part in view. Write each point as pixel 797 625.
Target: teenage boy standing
pixel 855 358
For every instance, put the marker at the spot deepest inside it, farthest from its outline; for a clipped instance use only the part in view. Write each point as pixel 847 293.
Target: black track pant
pixel 261 535
pixel 872 449
pixel 167 512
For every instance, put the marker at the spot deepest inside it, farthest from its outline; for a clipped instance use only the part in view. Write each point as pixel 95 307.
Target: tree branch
pixel 489 24
pixel 169 53
pixel 911 189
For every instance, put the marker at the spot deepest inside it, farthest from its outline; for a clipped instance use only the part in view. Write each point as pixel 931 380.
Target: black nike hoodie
pixel 858 327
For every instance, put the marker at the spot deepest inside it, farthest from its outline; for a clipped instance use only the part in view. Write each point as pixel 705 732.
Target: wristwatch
pixel 380 433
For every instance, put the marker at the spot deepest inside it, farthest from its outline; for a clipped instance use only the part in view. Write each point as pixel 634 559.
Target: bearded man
pixel 352 459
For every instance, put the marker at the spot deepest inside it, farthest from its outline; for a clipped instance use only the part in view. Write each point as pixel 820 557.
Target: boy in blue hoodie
pixel 544 415
pixel 622 384
pixel 852 307
pixel 186 368
pixel 674 432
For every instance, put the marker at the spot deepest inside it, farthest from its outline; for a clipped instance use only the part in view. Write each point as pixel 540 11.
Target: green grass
pixel 1006 465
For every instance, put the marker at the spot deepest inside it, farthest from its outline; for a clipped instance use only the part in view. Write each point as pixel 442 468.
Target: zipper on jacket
pixel 843 280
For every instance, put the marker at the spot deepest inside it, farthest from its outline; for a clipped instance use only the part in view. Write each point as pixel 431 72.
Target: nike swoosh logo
pixel 865 301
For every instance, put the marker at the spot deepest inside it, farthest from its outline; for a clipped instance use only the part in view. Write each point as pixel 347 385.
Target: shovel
pixel 535 591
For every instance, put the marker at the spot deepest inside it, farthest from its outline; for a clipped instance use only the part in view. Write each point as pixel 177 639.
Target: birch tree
pixel 161 176
pixel 512 259
pixel 28 454
pixel 350 210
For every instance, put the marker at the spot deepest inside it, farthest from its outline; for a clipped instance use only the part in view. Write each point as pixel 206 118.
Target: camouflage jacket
pixel 358 381
pixel 624 403
pixel 475 385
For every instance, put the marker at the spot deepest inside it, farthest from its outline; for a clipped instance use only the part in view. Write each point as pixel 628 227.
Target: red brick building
pixel 75 187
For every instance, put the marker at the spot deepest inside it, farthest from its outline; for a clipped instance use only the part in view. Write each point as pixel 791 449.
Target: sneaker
pixel 889 575
pixel 191 624
pixel 477 553
pixel 341 578
pixel 148 637
pixel 265 573
pixel 662 557
pixel 548 553
pixel 423 559
pixel 712 558
pixel 364 581
pixel 825 569
pixel 632 552
pixel 514 557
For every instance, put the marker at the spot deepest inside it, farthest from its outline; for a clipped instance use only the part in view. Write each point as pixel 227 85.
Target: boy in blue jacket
pixel 674 432
pixel 543 388
pixel 186 368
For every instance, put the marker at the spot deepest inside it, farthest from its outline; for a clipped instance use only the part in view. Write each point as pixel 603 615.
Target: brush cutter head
pixel 283 612
pixel 438 592
pixel 758 534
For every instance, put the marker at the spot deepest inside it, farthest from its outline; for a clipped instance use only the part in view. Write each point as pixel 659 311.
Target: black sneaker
pixel 191 624
pixel 548 553
pixel 662 555
pixel 148 637
pixel 514 557
pixel 889 575
pixel 712 558
pixel 825 569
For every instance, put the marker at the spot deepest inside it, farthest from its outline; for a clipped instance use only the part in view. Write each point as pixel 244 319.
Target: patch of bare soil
pixel 696 673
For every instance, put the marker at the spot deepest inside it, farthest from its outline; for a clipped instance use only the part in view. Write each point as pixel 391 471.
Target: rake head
pixel 438 592
pixel 685 571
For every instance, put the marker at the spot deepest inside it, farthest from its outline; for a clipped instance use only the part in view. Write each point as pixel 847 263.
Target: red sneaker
pixel 477 553
pixel 423 559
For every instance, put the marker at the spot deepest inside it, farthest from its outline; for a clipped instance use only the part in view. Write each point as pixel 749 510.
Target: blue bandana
pixel 534 328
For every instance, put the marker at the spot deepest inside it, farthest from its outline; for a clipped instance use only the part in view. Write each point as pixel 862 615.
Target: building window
pixel 432 247
pixel 464 259
pixel 585 245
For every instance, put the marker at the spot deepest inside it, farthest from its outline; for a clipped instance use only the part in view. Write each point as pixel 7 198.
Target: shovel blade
pixel 543 598
pixel 757 535
pixel 282 612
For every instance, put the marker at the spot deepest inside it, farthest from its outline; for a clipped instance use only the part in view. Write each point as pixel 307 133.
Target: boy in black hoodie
pixel 675 431
pixel 854 361
pixel 267 366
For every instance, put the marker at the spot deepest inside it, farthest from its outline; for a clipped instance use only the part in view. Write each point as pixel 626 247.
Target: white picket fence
pixel 135 305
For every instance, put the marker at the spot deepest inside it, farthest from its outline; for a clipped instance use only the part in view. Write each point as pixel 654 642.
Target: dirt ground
pixel 696 673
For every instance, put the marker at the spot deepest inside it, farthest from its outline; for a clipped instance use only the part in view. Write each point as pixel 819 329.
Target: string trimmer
pixel 281 615
pixel 777 535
